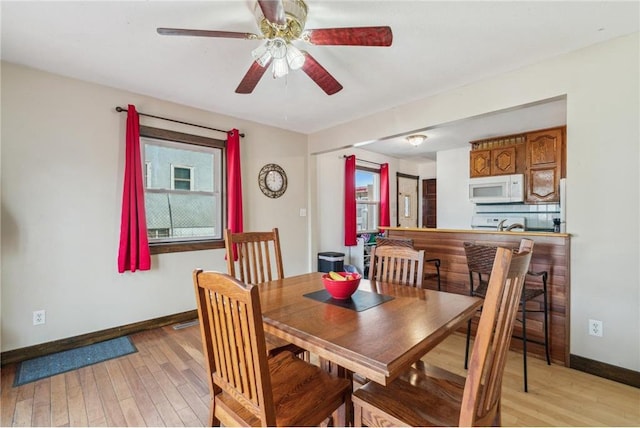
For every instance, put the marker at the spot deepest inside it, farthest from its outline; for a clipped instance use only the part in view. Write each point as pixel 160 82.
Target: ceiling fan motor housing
pixel 296 18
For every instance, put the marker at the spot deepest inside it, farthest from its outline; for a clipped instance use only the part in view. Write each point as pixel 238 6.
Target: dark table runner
pixel 359 301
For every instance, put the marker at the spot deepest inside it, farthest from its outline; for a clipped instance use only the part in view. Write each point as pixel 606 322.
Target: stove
pixel 492 221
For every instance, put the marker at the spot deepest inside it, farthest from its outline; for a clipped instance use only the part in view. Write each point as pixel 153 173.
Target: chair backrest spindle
pixel 259 257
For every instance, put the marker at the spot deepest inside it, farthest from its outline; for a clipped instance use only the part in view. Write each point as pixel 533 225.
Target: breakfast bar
pixel 551 253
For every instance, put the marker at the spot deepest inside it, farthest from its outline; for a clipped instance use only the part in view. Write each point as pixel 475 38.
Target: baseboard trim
pixel 17 355
pixel 607 371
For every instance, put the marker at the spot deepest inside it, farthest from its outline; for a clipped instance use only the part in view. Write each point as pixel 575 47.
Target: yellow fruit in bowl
pixel 336 276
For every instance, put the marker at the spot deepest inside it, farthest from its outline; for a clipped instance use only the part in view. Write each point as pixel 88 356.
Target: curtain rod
pixel 363 160
pixel 121 109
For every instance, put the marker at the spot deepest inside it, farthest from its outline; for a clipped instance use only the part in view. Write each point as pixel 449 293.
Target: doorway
pixel 407 200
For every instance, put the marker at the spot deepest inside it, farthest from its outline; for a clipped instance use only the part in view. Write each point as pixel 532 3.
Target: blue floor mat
pixel 60 362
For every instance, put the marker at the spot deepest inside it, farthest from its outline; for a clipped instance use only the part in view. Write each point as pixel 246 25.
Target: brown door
pixel 429 203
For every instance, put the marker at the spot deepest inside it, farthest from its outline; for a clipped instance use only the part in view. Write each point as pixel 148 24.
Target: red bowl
pixel 341 290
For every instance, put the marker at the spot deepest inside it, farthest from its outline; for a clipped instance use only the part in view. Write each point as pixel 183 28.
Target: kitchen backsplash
pixel 538 217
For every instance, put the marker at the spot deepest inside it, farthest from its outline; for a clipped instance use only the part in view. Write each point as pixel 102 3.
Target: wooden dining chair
pixel 436 397
pixel 247 387
pixel 406 242
pixel 253 258
pixel 396 264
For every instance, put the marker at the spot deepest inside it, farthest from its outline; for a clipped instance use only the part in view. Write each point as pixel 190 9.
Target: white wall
pixel 602 87
pixel 454 208
pixel 62 167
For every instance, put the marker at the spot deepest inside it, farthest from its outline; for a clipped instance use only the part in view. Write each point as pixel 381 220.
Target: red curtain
pixel 384 195
pixel 234 184
pixel 134 246
pixel 350 226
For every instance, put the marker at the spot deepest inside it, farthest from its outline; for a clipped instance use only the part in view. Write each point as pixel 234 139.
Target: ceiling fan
pixel 281 22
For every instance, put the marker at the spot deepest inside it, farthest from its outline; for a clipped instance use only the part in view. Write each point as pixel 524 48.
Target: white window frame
pixel 191 176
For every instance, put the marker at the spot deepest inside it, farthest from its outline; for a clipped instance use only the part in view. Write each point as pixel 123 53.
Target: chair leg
pixel 546 317
pixel 466 351
pixel 524 343
pixel 438 273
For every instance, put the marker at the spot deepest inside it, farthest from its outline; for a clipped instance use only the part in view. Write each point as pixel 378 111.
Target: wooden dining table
pixel 379 342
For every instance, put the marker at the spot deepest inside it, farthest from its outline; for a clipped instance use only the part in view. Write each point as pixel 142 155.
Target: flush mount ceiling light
pixel 416 140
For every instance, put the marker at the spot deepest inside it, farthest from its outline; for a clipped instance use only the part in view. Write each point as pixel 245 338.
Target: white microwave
pixel 497 189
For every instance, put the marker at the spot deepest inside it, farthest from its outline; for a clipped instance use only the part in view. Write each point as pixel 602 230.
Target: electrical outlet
pixel 38 317
pixel 595 328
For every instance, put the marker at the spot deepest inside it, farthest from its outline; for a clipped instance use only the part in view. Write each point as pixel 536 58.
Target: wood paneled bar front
pixel 551 253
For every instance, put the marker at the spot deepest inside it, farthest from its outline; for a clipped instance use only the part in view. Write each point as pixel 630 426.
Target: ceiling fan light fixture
pixel 295 58
pixel 416 140
pixel 280 67
pixel 262 54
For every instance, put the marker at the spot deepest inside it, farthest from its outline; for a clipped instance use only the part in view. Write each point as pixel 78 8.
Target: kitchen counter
pixel 474 231
pixel 550 253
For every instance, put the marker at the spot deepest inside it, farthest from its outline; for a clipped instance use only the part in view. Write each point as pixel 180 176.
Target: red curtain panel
pixel 133 253
pixel 350 226
pixel 234 184
pixel 384 195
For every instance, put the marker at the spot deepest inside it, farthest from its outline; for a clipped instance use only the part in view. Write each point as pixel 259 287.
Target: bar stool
pixel 480 262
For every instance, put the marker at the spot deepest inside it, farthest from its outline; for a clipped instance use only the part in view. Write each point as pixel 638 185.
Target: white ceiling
pixel 437 46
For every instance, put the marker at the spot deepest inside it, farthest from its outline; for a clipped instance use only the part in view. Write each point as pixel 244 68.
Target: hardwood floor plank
pixel 108 397
pixel 131 413
pixel 94 408
pixel 59 405
pixel 23 413
pixel 164 408
pixel 170 391
pixel 120 385
pixel 42 403
pixel 143 401
pixel 75 400
pixel 200 408
pixel 9 395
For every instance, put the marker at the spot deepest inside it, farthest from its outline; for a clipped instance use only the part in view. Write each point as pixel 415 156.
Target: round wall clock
pixel 272 180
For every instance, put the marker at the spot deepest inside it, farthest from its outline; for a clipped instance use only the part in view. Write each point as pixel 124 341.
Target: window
pixel 183 196
pixel 181 177
pixel 367 199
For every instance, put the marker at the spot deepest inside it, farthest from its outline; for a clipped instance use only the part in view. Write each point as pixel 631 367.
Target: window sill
pixel 177 247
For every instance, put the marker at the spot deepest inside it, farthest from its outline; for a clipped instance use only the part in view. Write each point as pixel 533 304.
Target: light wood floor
pixel 163 384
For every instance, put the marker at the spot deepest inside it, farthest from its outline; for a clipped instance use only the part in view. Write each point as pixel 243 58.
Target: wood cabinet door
pixel 503 161
pixel 544 161
pixel 544 148
pixel 543 184
pixel 479 163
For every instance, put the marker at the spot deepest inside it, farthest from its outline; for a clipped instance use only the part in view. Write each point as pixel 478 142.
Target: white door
pixel 407 200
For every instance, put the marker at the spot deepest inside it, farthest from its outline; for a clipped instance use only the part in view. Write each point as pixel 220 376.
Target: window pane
pixel 182 173
pixel 367 196
pixel 182 185
pixel 172 214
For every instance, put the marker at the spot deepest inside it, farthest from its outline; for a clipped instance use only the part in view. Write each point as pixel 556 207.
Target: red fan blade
pixel 320 75
pixel 206 33
pixel 273 10
pixel 351 36
pixel 251 79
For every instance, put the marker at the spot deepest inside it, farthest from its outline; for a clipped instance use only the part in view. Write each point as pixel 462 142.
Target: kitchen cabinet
pixel 544 150
pixel 499 161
